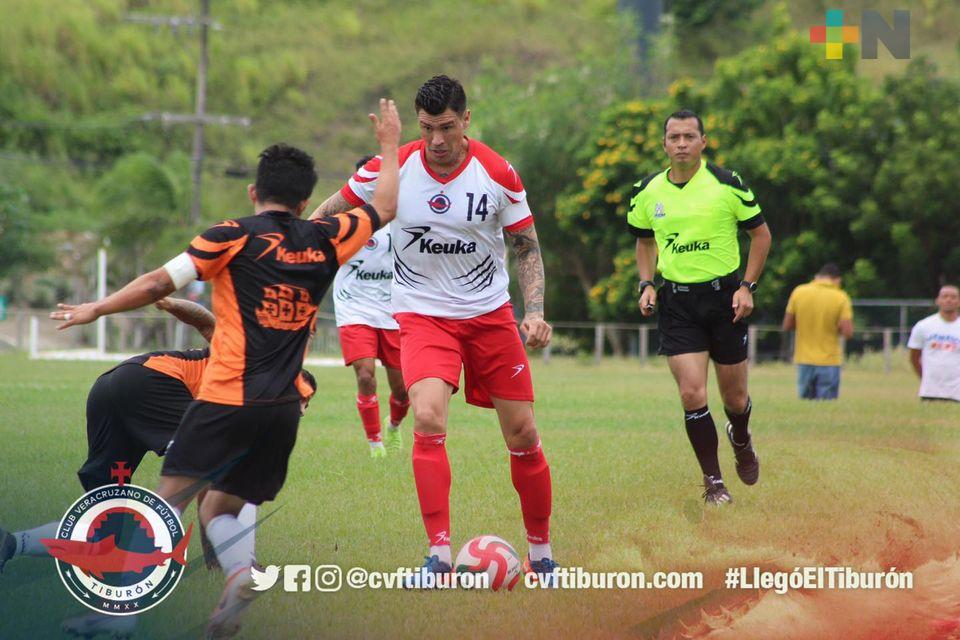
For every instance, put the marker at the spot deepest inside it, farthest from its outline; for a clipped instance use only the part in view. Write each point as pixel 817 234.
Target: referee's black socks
pixel 740 423
pixel 703 436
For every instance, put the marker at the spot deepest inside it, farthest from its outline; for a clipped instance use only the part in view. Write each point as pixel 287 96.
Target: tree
pixel 19 245
pixel 140 199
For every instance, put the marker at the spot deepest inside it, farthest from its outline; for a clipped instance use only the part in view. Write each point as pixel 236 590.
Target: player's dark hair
pixel 285 175
pixel 683 114
pixel 829 270
pixel 440 92
pixel 362 161
pixel 310 380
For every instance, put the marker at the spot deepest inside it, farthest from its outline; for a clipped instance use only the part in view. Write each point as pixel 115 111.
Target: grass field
pixel 867 481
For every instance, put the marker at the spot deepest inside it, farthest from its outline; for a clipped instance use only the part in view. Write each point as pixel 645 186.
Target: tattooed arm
pixel 531 277
pixel 336 203
pixel 190 313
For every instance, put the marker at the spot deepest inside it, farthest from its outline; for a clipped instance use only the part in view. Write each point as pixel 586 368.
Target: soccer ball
pixel 493 556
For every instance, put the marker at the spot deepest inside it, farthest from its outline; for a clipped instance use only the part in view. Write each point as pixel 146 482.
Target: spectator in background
pixel 935 348
pixel 820 312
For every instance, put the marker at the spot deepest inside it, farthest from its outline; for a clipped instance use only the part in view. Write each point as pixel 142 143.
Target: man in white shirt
pixel 935 348
pixel 361 300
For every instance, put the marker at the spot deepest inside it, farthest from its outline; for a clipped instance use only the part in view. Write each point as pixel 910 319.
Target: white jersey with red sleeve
pixel 361 289
pixel 448 248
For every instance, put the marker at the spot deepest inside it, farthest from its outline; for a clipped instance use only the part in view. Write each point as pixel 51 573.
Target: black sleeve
pixel 752 223
pixel 638 232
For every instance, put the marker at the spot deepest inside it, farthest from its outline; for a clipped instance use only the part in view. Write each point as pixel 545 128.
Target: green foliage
pixel 141 199
pixel 541 126
pixel 19 232
pixel 697 14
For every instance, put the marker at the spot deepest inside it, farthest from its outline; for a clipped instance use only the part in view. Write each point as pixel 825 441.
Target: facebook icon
pixel 296 577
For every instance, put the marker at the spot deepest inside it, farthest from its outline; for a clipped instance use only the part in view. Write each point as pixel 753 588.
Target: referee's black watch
pixel 751 286
pixel 644 284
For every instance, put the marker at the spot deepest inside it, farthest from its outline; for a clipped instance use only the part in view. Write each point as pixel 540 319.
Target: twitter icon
pixel 263 580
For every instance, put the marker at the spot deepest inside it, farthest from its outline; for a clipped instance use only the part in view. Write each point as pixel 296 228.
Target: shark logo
pixel 264 580
pixel 120 549
pixel 415 234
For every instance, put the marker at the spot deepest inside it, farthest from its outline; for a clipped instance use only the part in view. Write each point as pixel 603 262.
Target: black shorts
pixel 130 410
pixel 243 451
pixel 699 320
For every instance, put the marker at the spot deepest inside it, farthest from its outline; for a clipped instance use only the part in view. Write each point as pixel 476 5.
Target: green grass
pixel 867 479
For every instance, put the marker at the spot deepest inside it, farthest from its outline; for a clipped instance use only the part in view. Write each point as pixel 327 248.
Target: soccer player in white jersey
pixel 361 302
pixel 458 199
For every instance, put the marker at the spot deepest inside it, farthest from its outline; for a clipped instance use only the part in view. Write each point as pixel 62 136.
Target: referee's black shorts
pixel 243 451
pixel 130 410
pixel 699 317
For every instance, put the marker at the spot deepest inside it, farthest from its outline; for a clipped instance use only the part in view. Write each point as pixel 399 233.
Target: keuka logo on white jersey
pixel 435 247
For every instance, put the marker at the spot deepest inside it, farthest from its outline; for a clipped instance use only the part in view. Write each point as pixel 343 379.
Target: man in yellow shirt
pixel 820 312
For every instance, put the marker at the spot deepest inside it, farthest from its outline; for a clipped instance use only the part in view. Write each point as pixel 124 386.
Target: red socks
pixel 431 472
pixel 398 410
pixel 531 478
pixel 369 409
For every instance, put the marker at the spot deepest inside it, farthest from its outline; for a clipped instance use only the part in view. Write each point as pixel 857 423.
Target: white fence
pixel 130 333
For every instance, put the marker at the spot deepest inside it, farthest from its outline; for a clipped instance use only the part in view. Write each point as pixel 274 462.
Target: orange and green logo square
pixel 833 35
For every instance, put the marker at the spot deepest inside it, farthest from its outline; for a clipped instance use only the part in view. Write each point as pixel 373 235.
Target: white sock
pixel 376 445
pixel 443 551
pixel 28 542
pixel 248 520
pixel 540 551
pixel 225 533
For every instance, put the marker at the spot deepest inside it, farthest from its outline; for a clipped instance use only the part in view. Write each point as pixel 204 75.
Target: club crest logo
pixel 372 243
pixel 658 211
pixel 439 203
pixel 120 549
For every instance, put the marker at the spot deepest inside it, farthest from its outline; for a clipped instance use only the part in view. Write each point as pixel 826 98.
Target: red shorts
pixel 360 341
pixel 487 347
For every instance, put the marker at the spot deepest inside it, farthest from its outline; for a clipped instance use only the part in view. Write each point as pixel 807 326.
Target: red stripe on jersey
pixel 496 167
pixel 373 166
pixel 350 196
pixel 521 225
pixel 407 150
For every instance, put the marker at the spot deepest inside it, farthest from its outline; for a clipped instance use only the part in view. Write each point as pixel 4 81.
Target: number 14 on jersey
pixel 480 210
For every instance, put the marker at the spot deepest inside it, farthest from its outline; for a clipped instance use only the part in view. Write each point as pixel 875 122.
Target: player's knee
pixel 735 400
pixel 693 397
pixel 429 419
pixel 523 436
pixel 366 379
pixel 400 394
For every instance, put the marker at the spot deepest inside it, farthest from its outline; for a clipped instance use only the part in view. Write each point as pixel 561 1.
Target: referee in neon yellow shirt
pixel 686 219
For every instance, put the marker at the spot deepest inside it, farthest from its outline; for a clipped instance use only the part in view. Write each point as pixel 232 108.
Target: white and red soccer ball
pixel 493 556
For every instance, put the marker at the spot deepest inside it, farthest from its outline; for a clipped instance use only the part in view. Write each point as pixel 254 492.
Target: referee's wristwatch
pixel 751 286
pixel 644 284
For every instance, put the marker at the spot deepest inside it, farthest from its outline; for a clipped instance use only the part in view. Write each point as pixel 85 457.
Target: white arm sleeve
pixel 181 270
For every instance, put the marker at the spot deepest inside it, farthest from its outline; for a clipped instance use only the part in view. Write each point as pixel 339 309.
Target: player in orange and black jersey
pixel 269 273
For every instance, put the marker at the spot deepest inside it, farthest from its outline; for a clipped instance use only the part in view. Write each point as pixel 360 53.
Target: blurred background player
pixel 458 198
pixel 686 219
pixel 361 301
pixel 820 312
pixel 133 408
pixel 270 271
pixel 935 348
